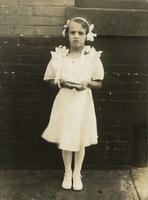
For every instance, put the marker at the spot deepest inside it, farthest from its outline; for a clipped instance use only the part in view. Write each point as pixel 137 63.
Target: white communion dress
pixel 72 122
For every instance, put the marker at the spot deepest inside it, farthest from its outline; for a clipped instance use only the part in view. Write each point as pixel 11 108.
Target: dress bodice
pixel 88 66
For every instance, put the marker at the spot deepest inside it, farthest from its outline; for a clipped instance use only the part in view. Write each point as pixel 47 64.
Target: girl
pixel 76 71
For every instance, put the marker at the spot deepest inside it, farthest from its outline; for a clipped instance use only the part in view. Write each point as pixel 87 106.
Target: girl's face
pixel 77 35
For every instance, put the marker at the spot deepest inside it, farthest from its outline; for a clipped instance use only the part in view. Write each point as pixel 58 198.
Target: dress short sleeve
pixel 50 71
pixel 97 67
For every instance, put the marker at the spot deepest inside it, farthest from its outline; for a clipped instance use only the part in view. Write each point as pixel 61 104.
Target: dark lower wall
pixel 26 101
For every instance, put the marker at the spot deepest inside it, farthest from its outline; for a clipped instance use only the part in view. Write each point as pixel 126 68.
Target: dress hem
pixel 67 149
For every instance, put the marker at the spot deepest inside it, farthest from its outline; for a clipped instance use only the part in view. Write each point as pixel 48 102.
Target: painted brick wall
pixel 32 17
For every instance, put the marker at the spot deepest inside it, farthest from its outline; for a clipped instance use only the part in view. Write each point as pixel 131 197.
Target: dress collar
pixel 63 51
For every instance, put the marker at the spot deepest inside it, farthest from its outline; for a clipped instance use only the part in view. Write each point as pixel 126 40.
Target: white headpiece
pixel 90 35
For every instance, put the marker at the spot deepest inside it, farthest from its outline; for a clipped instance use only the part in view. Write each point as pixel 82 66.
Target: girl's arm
pixel 52 83
pixel 61 84
pixel 95 84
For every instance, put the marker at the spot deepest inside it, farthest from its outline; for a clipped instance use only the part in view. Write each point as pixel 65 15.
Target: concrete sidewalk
pixel 140 179
pixel 46 185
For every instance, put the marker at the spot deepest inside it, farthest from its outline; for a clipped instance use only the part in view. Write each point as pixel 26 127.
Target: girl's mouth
pixel 76 41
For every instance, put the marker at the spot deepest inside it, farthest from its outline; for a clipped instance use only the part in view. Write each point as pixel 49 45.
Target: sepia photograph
pixel 73 100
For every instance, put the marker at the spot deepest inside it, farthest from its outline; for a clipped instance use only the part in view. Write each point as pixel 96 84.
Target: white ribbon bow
pixel 90 34
pixel 65 26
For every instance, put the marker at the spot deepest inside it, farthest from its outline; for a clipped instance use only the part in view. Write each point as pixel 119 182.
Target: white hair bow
pixel 65 27
pixel 90 34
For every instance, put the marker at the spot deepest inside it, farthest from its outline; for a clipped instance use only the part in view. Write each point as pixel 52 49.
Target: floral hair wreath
pixel 90 35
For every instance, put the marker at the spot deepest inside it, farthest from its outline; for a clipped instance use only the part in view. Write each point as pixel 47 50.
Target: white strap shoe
pixel 77 182
pixel 67 181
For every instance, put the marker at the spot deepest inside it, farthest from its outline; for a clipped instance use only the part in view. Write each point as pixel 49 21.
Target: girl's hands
pixel 94 84
pixel 83 86
pixel 65 84
pixel 78 87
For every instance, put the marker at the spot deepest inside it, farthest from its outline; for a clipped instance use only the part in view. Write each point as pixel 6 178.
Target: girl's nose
pixel 76 35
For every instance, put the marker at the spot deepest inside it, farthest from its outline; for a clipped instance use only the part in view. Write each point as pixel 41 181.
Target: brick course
pixel 32 10
pixel 47 2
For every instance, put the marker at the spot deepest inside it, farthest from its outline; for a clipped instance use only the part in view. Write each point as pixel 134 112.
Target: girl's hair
pixel 85 24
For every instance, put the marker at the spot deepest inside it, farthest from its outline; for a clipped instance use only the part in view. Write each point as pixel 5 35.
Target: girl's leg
pixel 67 160
pixel 79 158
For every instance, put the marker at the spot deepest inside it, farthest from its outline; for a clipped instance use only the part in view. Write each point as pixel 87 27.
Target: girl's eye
pixel 72 32
pixel 81 33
